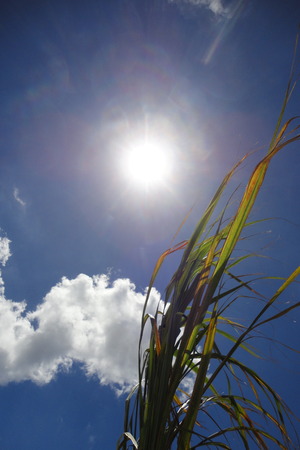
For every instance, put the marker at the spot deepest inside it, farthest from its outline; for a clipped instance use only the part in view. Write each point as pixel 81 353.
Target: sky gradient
pixel 80 82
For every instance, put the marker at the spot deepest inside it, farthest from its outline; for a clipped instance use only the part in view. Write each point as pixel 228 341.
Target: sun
pixel 148 162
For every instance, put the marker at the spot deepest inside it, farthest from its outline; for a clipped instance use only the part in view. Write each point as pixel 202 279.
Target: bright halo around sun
pixel 148 162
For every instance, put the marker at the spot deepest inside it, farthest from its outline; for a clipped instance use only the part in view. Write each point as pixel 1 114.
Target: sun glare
pixel 147 162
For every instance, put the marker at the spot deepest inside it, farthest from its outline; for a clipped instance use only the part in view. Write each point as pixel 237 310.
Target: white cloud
pixel 18 198
pixel 187 385
pixel 4 250
pixel 86 319
pixel 216 6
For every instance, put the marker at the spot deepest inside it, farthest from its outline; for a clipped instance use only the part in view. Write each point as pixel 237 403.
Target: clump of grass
pixel 160 413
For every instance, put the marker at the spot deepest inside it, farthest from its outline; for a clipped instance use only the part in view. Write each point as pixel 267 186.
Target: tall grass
pixel 194 390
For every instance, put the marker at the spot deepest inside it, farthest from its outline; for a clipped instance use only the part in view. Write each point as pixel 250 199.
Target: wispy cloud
pixel 18 198
pixel 87 319
pixel 216 6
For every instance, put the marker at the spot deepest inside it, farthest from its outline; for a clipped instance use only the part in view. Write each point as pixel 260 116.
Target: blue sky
pixel 81 82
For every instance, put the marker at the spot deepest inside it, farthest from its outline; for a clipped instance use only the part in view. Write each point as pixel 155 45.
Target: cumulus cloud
pixel 4 250
pixel 86 319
